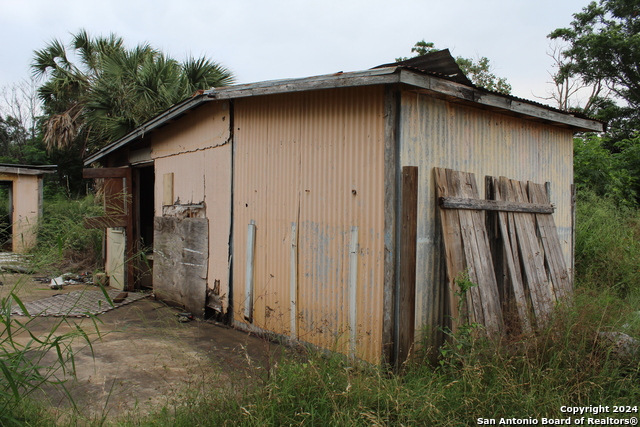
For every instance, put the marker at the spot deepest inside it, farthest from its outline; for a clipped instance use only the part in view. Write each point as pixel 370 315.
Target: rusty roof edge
pixel 384 75
pixel 326 81
pixel 519 106
pixel 27 169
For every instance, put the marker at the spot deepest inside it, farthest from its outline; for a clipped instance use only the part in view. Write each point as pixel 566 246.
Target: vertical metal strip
pixel 353 290
pixel 293 289
pixel 248 288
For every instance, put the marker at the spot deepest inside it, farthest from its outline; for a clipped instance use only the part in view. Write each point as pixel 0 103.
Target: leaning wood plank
pixel 554 258
pixel 513 264
pixel 532 259
pixel 478 243
pixel 454 255
pixel 455 182
pixel 494 205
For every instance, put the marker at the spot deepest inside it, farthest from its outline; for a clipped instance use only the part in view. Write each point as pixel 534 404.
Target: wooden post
pixel 408 248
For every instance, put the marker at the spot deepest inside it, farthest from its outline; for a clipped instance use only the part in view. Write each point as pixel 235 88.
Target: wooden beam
pixel 475 97
pixel 494 205
pixel 167 189
pixel 408 250
pixel 110 221
pixel 89 173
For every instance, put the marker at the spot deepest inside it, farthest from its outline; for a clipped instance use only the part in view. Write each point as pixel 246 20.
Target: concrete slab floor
pixel 144 358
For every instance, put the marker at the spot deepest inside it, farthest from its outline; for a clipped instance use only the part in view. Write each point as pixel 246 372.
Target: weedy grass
pixel 30 361
pixel 525 377
pixel 63 241
pixel 567 363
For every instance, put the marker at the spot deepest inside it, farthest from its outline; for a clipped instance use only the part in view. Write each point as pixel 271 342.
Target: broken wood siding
pixel 437 133
pixel 309 171
pixel 197 151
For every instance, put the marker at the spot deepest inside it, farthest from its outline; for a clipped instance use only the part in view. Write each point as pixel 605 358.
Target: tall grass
pixel 63 241
pixel 30 361
pixel 607 253
pixel 526 377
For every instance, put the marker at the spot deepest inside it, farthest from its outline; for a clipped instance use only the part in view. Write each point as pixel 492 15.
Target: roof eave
pixel 500 103
pixel 440 87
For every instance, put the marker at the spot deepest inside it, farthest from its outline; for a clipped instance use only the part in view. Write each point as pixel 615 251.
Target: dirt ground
pixel 144 358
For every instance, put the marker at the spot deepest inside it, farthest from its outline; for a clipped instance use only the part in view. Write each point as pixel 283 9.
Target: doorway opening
pixel 144 180
pixel 6 216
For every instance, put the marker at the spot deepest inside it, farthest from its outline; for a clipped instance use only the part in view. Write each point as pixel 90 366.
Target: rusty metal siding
pixel 315 160
pixel 436 133
pixel 197 152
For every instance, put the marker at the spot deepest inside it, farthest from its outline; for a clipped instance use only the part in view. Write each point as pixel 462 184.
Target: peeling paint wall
pixel 196 150
pixel 313 161
pixel 436 133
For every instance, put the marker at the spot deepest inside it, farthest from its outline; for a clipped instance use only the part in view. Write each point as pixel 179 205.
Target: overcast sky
pixel 273 39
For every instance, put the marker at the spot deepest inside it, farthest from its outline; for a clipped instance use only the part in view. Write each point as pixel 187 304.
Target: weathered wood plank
pixel 456 181
pixel 90 173
pixel 110 221
pixel 485 275
pixel 454 254
pixel 408 251
pixel 494 205
pixel 532 259
pixel 506 224
pixel 554 258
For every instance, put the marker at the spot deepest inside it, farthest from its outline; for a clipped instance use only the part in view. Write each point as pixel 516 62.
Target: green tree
pixel 110 89
pixel 604 47
pixel 96 90
pixel 479 72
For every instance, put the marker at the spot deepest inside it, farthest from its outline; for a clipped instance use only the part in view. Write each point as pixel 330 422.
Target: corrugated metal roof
pixel 438 65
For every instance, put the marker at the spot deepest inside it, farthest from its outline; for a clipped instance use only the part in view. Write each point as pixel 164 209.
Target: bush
pixel 63 241
pixel 607 250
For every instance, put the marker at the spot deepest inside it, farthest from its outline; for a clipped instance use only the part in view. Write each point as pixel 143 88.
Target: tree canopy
pixel 96 89
pixel 604 47
pixel 479 72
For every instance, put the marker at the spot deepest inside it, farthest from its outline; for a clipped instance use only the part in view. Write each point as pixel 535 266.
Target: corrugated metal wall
pixel 313 161
pixel 435 133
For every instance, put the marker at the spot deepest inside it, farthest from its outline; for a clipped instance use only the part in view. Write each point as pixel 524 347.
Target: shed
pixel 284 206
pixel 24 190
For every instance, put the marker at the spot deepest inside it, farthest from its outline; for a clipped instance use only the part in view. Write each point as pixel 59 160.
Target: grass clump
pixel 30 362
pixel 607 250
pixel 529 377
pixel 63 241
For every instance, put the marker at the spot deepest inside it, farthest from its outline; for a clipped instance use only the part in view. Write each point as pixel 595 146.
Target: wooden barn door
pixel 118 213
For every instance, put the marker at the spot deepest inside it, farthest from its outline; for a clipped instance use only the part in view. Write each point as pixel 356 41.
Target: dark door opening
pixel 144 181
pixel 6 216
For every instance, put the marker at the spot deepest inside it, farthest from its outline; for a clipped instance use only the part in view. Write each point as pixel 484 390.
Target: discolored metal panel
pixel 316 160
pixel 436 133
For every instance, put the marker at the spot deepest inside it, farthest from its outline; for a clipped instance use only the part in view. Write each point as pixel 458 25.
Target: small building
pixel 278 205
pixel 23 187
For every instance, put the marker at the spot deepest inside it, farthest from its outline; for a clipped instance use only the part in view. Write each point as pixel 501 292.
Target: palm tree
pixel 109 90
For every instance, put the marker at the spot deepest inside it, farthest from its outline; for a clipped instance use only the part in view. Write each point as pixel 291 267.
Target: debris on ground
pixel 68 279
pixel 623 344
pixel 184 317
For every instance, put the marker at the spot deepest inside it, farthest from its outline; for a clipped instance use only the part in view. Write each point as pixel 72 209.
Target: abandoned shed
pixel 22 191
pixel 310 207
